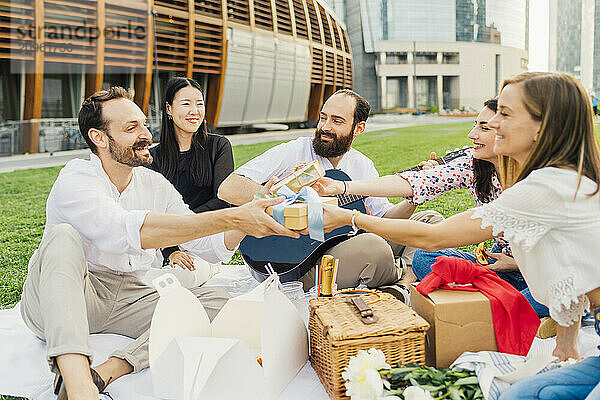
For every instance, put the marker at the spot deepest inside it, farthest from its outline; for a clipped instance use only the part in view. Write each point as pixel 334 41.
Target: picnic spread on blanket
pixel 361 343
pixel 261 338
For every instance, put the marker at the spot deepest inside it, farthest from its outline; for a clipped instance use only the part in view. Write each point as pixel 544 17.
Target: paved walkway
pixel 375 123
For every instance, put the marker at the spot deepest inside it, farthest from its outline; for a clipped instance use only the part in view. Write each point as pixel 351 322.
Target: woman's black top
pixel 199 198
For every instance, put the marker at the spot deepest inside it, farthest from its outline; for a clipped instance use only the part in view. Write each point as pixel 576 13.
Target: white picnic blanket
pixel 24 371
pixel 497 371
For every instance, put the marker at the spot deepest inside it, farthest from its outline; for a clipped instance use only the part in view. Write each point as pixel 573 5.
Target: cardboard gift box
pixel 337 332
pixel 296 214
pixel 460 321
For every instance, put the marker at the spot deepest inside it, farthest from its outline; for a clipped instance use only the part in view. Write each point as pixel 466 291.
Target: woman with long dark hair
pixel 193 160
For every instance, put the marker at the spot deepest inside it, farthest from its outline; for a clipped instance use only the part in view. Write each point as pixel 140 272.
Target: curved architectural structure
pixel 258 60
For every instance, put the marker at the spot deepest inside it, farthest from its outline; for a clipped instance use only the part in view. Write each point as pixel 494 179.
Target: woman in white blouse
pixel 550 212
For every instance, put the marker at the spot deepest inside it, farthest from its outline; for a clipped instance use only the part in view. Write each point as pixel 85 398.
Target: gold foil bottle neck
pixel 327 263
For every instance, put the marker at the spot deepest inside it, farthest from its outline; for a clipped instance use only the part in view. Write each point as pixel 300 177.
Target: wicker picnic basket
pixel 337 332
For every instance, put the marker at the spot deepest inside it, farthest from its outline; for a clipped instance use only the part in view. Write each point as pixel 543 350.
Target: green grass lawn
pixel 23 193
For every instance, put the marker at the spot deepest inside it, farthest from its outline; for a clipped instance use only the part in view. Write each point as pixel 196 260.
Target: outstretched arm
pixel 237 189
pixel 385 186
pixel 429 237
pixel 163 230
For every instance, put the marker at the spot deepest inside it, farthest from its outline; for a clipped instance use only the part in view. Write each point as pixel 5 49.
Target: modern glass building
pixel 574 42
pixel 434 53
pixel 257 60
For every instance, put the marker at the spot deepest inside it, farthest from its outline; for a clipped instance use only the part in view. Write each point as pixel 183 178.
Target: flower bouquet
pixel 368 377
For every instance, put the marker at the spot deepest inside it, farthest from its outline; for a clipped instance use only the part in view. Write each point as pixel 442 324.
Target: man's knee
pixel 375 248
pixel 62 248
pixel 64 232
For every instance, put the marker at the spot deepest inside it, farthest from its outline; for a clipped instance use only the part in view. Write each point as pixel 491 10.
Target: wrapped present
pixel 296 214
pixel 341 326
pixel 303 175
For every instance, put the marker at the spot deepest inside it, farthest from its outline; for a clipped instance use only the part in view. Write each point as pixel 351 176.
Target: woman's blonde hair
pixel 566 138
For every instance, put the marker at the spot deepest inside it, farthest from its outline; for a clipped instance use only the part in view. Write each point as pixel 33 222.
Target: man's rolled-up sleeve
pixel 133 223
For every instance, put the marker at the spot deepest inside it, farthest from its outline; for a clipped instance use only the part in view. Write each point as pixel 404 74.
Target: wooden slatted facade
pixel 190 37
pixel 263 14
pixel 128 48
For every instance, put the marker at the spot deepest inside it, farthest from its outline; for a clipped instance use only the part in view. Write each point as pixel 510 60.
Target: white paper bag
pixel 188 363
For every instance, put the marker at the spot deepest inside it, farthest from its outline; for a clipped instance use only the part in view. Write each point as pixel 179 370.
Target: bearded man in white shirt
pixel 105 218
pixel 365 258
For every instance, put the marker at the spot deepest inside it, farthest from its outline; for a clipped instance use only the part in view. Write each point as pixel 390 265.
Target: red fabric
pixel 515 322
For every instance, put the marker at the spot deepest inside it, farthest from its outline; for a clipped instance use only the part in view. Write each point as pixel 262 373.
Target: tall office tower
pixel 574 42
pixel 434 53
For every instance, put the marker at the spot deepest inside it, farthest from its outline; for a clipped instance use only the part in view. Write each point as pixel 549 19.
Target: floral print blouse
pixel 428 184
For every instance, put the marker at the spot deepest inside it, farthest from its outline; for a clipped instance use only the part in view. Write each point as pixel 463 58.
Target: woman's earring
pixel 169 116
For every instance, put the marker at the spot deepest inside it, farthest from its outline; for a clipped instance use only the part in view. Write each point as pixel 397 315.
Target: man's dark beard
pixel 126 155
pixel 335 148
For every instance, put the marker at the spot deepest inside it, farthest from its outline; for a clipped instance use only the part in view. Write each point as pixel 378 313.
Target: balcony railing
pixel 57 134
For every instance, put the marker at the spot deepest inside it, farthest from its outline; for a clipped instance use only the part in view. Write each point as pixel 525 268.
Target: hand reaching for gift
pixel 328 187
pixel 334 217
pixel 182 260
pixel 427 164
pixel 253 220
pixel 266 188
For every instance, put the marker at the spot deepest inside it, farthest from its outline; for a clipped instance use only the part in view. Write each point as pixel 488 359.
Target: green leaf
pixel 431 388
pixel 470 380
pixel 455 393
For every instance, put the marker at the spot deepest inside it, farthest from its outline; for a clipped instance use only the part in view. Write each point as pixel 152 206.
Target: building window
pixel 10 92
pixel 397 92
pixel 61 95
pixel 426 91
pixel 450 58
pixel 396 58
pixel 426 57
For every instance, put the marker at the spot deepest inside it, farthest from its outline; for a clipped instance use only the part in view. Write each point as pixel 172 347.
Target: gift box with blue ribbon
pixel 302 210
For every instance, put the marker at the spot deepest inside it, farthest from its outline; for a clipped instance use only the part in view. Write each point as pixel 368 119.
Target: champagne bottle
pixel 327 263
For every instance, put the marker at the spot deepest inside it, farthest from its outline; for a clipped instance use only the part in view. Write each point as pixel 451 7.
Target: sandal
pixel 398 291
pixel 61 391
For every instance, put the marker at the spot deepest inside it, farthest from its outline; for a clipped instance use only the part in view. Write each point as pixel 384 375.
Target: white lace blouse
pixel 555 237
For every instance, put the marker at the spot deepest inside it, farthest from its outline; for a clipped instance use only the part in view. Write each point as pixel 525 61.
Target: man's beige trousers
pixel 62 302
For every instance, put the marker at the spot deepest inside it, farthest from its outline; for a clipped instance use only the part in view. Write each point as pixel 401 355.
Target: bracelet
pixel 345 188
pixel 354 215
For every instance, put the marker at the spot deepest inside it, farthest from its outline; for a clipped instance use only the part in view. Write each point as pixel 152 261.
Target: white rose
pixel 363 381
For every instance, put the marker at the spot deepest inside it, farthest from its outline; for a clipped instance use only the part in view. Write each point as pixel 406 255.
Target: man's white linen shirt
pixel 281 158
pixel 110 222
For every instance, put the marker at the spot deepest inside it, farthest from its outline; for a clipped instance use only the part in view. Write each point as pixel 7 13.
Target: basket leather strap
pixel 365 312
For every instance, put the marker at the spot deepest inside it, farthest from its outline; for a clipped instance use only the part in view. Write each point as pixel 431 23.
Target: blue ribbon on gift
pixel 315 209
